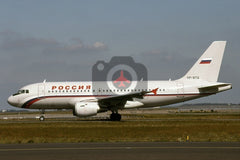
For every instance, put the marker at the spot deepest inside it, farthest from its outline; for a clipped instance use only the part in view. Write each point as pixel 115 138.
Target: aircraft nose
pixel 12 101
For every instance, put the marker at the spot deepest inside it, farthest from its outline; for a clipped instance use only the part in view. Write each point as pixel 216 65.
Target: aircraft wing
pixel 120 100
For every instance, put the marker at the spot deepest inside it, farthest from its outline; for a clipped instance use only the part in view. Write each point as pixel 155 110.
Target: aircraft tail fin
pixel 208 65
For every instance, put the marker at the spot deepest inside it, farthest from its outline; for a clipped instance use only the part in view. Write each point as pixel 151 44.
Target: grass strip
pixel 164 128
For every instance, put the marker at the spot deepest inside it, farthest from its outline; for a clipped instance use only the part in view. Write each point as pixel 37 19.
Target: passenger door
pixel 41 89
pixel 180 90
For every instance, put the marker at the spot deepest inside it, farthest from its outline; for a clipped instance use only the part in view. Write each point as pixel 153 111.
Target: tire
pixel 115 117
pixel 41 118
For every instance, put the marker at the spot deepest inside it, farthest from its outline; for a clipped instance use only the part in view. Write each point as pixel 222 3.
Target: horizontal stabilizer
pixel 215 88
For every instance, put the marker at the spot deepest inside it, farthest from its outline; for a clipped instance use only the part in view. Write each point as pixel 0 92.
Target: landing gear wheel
pixel 41 118
pixel 115 117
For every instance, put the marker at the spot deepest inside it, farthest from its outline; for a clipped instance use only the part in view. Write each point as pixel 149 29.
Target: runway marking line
pixel 111 148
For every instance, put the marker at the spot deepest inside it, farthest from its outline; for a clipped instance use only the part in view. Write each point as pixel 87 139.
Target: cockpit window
pixel 21 91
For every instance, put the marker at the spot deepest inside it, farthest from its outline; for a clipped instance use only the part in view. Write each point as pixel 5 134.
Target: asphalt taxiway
pixel 117 151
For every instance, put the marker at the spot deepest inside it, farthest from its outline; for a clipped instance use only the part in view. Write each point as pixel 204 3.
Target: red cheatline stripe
pixel 32 101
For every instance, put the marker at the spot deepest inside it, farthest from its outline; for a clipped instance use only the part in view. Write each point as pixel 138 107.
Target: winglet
pixel 154 91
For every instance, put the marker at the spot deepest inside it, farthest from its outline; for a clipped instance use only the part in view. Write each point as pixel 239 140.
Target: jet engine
pixel 85 109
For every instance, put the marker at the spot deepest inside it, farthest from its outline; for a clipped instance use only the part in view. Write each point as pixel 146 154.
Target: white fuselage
pixel 64 95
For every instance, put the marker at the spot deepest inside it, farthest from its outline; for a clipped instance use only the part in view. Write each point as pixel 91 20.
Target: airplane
pixel 199 81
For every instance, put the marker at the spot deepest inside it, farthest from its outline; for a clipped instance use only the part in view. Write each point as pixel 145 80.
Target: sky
pixel 61 40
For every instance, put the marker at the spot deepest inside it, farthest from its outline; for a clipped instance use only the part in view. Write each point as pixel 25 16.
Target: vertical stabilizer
pixel 208 65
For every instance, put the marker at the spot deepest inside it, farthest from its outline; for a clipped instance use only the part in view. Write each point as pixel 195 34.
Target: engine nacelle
pixel 85 109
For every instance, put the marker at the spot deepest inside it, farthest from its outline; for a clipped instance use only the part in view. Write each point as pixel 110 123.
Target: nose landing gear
pixel 42 117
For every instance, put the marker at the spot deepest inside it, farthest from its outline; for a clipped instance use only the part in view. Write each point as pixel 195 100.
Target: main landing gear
pixel 115 117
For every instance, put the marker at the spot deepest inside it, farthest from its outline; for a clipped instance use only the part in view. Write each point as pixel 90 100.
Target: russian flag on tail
pixel 206 61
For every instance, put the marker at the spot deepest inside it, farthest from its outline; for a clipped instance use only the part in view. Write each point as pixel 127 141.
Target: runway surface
pixel 120 151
